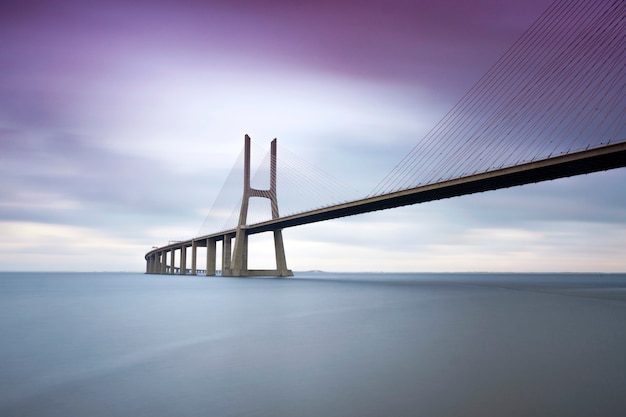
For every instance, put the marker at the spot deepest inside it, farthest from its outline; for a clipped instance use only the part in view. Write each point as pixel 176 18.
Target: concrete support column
pixel 163 257
pixel 194 256
pixel 240 255
pixel 172 259
pixel 183 260
pixel 281 260
pixel 210 257
pixel 226 253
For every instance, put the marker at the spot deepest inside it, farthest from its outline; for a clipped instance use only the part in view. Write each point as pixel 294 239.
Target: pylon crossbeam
pixel 261 193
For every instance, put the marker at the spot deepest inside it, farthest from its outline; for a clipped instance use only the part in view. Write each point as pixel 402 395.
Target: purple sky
pixel 120 121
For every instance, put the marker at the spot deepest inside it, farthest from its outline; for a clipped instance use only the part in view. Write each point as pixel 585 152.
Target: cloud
pixel 589 198
pixel 69 181
pixel 48 247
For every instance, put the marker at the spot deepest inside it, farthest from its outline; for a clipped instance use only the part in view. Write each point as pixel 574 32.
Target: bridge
pixel 553 106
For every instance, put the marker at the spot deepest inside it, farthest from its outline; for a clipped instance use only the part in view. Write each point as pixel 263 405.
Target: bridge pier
pixel 194 256
pixel 210 257
pixel 226 255
pixel 239 263
pixel 281 259
pixel 183 260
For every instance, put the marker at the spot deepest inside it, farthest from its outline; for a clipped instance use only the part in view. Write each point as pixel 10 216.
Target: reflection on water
pixel 313 345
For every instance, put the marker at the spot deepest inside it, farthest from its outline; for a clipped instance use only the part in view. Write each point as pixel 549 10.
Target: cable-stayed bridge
pixel 553 106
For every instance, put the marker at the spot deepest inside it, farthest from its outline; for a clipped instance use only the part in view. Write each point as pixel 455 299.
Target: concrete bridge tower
pixel 239 262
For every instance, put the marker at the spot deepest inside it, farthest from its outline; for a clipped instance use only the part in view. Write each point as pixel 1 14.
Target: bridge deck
pixel 583 162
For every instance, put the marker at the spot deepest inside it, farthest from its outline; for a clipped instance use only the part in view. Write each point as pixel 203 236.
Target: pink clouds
pixel 54 54
pixel 388 40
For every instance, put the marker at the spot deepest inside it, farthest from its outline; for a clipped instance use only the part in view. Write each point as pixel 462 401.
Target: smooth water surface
pixel 100 344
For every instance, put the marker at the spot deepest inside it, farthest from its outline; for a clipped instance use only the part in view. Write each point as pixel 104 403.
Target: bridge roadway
pixel 582 162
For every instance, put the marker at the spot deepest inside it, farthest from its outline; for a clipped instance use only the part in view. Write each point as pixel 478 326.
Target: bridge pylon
pixel 239 261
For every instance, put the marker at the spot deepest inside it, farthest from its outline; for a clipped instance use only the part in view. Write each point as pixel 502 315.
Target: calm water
pixel 315 345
